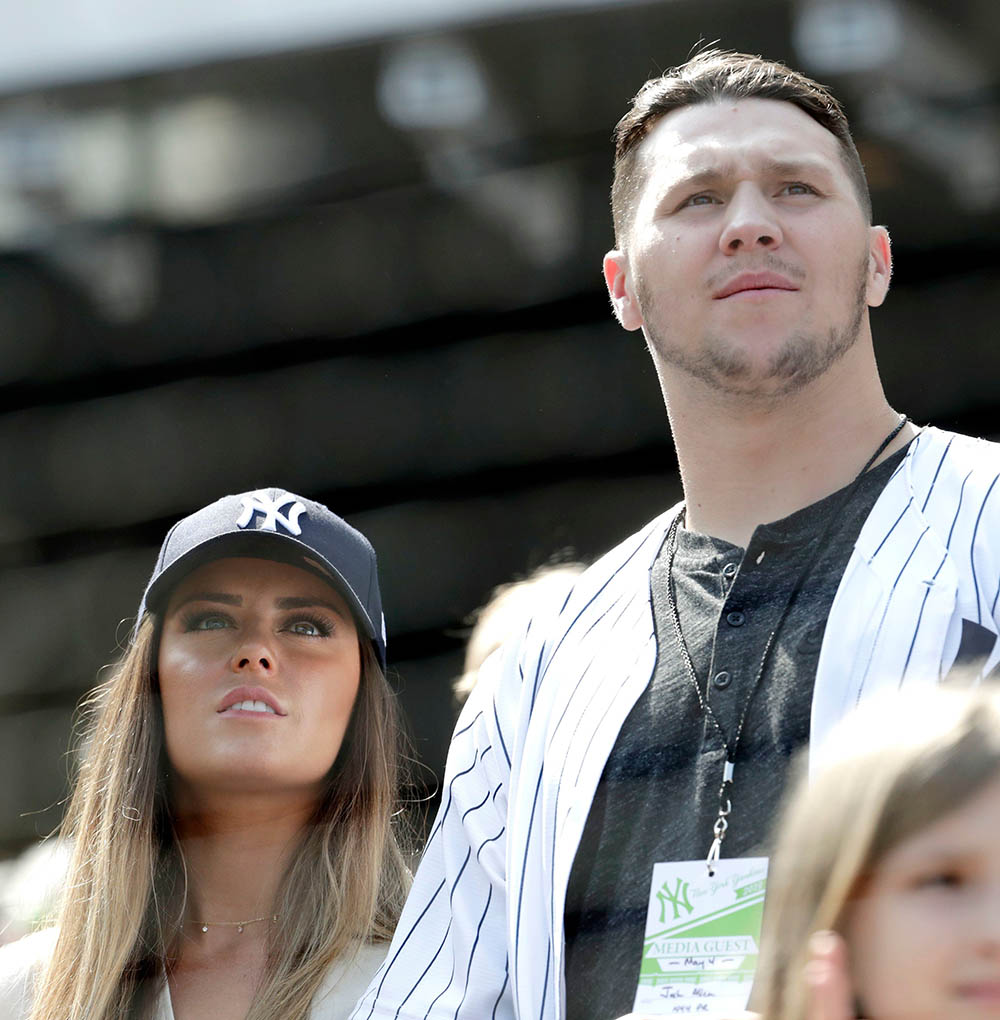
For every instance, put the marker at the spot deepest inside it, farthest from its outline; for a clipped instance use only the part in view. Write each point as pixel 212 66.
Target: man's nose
pixel 751 223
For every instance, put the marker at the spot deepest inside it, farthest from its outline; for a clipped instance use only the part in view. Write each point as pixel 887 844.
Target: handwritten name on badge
pixel 702 937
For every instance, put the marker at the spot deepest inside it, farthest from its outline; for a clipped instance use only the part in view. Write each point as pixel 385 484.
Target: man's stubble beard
pixel 729 369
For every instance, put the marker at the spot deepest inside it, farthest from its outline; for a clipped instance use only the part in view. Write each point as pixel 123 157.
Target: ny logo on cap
pixel 260 503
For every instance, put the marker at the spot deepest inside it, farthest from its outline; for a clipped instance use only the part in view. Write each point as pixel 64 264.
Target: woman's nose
pixel 248 662
pixel 253 654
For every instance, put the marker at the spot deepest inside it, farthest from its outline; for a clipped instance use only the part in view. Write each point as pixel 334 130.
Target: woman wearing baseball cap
pixel 233 852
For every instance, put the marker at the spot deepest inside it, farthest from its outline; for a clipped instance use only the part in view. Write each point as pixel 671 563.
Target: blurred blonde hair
pixel 509 608
pixel 900 765
pixel 119 922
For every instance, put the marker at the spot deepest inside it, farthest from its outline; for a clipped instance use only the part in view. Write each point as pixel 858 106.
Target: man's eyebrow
pixel 795 168
pixel 306 601
pixel 699 178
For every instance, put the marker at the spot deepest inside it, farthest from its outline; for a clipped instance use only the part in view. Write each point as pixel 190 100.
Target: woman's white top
pixel 21 961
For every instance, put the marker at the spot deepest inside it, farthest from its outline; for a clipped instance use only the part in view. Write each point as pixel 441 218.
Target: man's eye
pixel 701 200
pixel 798 188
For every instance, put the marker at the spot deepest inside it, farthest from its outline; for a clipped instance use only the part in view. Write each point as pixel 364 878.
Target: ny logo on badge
pixel 677 899
pixel 260 503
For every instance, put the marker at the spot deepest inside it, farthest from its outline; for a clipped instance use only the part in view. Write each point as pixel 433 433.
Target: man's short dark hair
pixel 712 76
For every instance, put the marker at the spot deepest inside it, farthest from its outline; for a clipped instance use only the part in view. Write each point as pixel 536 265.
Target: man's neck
pixel 745 464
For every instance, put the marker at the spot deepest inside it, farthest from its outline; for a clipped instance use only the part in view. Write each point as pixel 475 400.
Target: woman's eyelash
pixel 205 620
pixel 323 626
pixel 195 619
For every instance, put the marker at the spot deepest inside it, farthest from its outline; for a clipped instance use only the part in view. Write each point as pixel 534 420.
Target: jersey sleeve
pixel 448 958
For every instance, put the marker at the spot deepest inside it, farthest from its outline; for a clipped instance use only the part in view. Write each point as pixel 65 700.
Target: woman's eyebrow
pixel 211 596
pixel 304 602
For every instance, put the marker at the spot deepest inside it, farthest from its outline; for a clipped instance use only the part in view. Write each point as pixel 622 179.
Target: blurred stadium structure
pixel 354 250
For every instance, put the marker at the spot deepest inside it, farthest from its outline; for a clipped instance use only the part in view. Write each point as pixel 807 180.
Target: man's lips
pixel 241 695
pixel 754 281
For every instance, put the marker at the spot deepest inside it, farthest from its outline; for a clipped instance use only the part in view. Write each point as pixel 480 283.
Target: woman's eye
pixel 701 200
pixel 207 621
pixel 310 627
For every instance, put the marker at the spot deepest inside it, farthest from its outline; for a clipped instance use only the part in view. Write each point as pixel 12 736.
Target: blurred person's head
pixel 256 664
pixel 719 76
pixel 507 612
pixel 892 847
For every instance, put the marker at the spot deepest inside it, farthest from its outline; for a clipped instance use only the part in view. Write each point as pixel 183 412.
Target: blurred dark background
pixel 356 253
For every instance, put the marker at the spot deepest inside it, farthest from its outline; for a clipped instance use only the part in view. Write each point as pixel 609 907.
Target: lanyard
pixel 725 790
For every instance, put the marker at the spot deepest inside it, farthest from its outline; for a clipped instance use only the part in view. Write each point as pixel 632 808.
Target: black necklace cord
pixel 725 790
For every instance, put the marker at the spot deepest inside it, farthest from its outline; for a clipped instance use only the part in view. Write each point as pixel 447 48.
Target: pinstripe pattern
pixel 972 550
pixel 548 710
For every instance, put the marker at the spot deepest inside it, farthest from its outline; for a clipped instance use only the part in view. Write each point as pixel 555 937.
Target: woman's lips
pixel 255 701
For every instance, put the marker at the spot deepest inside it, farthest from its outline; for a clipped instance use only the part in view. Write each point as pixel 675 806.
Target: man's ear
pixel 621 290
pixel 879 266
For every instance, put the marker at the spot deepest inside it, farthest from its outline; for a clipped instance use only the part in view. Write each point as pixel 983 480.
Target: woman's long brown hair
pixel 123 903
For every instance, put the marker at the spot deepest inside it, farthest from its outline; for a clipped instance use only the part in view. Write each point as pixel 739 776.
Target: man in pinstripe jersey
pixel 826 549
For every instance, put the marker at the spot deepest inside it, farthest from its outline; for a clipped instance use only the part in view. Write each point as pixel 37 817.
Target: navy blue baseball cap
pixel 273 524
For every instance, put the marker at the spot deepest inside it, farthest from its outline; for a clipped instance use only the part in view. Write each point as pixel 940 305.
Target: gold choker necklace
pixel 238 925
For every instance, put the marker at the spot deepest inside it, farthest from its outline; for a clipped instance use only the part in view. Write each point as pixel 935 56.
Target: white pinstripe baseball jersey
pixel 481 935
